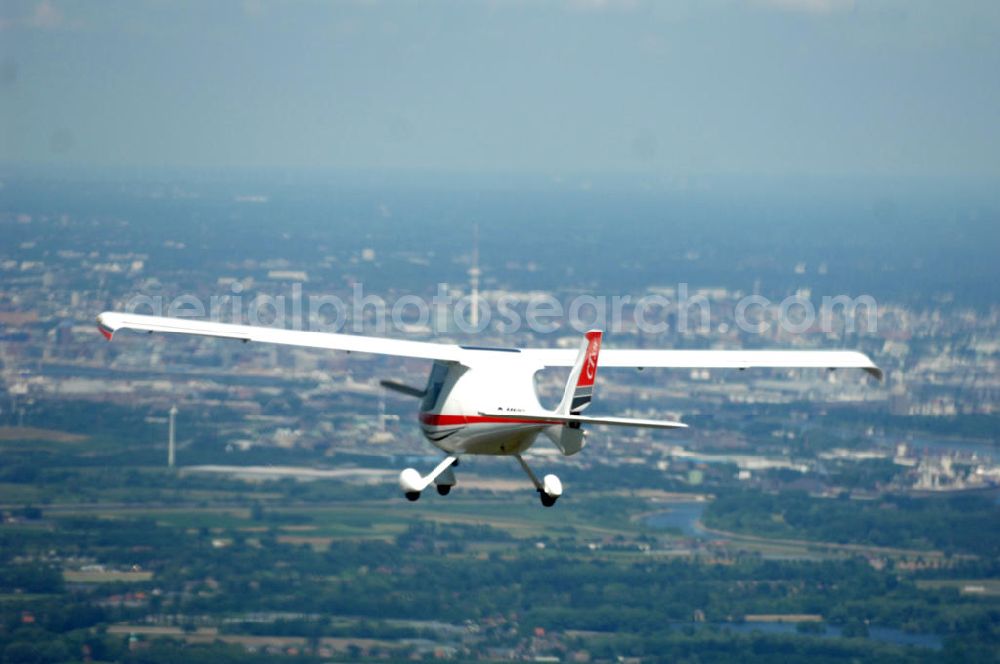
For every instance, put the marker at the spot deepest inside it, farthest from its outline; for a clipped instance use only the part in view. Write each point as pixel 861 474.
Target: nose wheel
pixel 413 483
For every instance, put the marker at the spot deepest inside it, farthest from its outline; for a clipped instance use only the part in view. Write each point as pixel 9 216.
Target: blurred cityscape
pixel 61 268
pixel 171 498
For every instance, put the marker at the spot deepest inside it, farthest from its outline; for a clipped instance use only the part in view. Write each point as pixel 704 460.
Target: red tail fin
pixel 580 386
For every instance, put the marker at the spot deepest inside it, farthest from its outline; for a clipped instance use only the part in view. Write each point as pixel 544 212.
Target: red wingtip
pixel 106 331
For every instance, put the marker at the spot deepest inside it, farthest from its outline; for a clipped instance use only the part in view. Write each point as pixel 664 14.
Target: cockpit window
pixel 434 385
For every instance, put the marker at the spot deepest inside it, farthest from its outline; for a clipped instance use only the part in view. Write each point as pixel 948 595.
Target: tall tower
pixel 170 441
pixel 474 276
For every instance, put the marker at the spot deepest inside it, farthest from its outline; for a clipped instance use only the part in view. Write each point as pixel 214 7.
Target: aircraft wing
pixel 714 359
pixel 110 322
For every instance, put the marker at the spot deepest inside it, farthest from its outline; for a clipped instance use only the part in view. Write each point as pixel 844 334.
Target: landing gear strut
pixel 549 489
pixel 412 482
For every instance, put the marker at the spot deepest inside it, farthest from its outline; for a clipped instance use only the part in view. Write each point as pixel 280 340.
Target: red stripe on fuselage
pixel 436 420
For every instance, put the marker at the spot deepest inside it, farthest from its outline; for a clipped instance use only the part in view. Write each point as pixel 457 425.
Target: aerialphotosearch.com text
pixel 448 312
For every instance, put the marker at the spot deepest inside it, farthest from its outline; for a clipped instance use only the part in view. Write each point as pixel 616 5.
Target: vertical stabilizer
pixel 569 438
pixel 580 386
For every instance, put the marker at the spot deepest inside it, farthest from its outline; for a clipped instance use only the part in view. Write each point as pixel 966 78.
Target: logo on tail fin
pixel 590 363
pixel 591 366
pixel 584 389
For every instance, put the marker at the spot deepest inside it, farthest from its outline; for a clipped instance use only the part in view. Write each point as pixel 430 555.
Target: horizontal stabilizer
pixel 555 418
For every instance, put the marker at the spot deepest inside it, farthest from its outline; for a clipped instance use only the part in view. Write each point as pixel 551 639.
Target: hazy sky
pixel 772 87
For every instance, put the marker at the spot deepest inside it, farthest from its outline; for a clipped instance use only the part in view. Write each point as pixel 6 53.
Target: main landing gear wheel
pixel 549 489
pixel 412 496
pixel 443 489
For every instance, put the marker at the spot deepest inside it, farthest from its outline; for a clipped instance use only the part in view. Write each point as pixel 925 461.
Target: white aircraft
pixel 481 400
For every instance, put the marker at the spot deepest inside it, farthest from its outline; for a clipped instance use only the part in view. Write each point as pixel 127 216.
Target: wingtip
pixel 104 328
pixel 876 372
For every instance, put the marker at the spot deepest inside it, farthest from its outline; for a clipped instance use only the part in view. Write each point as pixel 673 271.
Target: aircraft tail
pixel 569 437
pixel 580 386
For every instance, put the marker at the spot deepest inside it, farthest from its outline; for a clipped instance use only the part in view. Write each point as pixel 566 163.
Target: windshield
pixel 434 385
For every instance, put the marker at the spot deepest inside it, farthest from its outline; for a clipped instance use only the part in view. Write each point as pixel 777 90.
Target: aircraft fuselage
pixel 456 395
